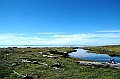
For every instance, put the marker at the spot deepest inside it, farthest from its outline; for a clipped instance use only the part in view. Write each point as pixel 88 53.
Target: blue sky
pixel 59 22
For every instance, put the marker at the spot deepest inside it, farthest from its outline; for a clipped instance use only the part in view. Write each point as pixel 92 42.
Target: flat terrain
pixel 18 62
pixel 112 50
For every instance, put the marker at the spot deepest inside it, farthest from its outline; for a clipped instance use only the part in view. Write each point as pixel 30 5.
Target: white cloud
pixel 61 39
pixel 89 38
pixel 86 36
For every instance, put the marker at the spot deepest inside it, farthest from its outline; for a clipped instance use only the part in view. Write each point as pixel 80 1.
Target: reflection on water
pixel 80 53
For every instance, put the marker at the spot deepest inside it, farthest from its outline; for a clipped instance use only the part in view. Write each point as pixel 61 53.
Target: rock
pixel 117 66
pixel 15 63
pixel 100 64
pixel 52 57
pixel 35 62
pixel 43 53
pixel 56 65
pixel 28 77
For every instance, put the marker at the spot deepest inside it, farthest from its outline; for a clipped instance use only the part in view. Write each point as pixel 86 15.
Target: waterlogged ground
pixel 68 69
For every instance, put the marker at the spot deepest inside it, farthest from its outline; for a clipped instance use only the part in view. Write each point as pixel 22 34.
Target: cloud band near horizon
pixel 60 38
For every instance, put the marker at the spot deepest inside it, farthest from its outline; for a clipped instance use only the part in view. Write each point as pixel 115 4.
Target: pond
pixel 82 54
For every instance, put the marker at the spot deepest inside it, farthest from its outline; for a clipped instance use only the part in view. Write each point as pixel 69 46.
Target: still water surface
pixel 81 53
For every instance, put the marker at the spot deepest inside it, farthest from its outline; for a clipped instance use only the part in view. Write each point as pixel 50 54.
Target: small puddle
pixel 81 53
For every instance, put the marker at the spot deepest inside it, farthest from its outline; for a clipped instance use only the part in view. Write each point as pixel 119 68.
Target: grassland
pixel 68 70
pixel 112 50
